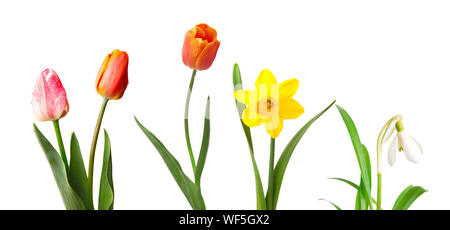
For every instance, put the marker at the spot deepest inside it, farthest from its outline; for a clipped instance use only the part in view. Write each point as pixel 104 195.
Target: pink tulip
pixel 49 100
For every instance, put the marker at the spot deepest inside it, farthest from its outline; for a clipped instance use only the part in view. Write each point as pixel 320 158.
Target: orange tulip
pixel 112 78
pixel 200 47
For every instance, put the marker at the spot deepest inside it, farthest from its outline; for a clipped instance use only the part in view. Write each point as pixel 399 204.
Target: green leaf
pixel 361 202
pixel 71 200
pixel 204 148
pixel 283 161
pixel 361 154
pixel 77 173
pixel 335 206
pixel 106 192
pixel 351 184
pixel 190 190
pixel 407 197
pixel 260 198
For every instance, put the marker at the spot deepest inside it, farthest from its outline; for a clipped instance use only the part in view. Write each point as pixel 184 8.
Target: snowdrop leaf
pixel 190 190
pixel 260 198
pixel 71 200
pixel 407 197
pixel 283 161
pixel 106 192
pixel 335 206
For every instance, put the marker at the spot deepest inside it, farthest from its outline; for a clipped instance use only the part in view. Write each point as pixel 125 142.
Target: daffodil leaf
pixel 260 198
pixel 77 173
pixel 283 161
pixel 106 191
pixel 332 203
pixel 361 153
pixel 190 190
pixel 71 200
pixel 205 144
pixel 407 197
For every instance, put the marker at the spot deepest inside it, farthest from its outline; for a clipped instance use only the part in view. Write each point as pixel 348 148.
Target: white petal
pixel 410 148
pixel 392 152
pixel 418 144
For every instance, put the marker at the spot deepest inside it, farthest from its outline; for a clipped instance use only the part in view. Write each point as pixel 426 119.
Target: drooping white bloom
pixel 404 143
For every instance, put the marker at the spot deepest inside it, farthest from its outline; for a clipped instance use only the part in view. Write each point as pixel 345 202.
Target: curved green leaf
pixel 355 186
pixel 106 192
pixel 361 153
pixel 407 197
pixel 77 173
pixel 190 190
pixel 335 206
pixel 205 144
pixel 283 161
pixel 71 200
pixel 260 199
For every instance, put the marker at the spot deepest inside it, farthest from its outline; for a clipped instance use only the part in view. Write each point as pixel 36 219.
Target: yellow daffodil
pixel 270 103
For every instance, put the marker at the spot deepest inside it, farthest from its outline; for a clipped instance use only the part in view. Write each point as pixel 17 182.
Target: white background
pixel 377 58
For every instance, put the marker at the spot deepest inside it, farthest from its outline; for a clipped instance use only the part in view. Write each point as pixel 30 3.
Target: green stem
pixel 186 120
pixel 271 176
pixel 61 144
pixel 379 191
pixel 94 145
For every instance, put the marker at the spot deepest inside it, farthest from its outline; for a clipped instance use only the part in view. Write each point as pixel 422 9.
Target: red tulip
pixel 49 101
pixel 200 47
pixel 112 78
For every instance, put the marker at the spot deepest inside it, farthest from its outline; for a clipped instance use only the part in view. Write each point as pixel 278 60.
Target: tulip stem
pixel 186 120
pixel 270 188
pixel 61 144
pixel 94 145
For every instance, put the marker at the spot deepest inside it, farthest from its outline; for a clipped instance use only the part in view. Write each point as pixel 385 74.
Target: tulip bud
pixel 49 101
pixel 200 47
pixel 112 78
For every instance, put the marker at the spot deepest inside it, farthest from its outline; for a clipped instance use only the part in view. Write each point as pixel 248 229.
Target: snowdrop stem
pixel 379 191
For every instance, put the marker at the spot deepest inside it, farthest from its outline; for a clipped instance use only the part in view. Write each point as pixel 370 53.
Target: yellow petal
pixel 288 89
pixel 246 96
pixel 291 109
pixel 250 117
pixel 265 77
pixel 274 127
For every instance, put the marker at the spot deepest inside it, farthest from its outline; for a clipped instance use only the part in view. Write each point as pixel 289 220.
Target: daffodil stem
pixel 186 120
pixel 94 145
pixel 61 144
pixel 379 191
pixel 270 188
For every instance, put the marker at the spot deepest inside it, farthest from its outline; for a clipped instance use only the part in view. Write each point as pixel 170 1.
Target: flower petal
pixel 207 56
pixel 246 96
pixel 291 109
pixel 250 117
pixel 266 78
pixel 274 127
pixel 392 152
pixel 418 144
pixel 288 89
pixel 410 148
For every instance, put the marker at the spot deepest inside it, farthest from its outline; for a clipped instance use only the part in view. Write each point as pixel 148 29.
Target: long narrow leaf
pixel 359 150
pixel 260 199
pixel 189 189
pixel 283 161
pixel 332 203
pixel 106 192
pixel 204 147
pixel 407 197
pixel 77 173
pixel 71 200
pixel 355 186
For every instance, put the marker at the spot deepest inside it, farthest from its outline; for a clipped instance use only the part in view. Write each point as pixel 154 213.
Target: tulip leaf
pixel 332 203
pixel 283 161
pixel 71 200
pixel 77 173
pixel 204 148
pixel 190 190
pixel 260 198
pixel 106 191
pixel 361 152
pixel 407 197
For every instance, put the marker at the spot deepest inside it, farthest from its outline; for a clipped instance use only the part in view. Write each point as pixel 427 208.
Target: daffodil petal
pixel 266 78
pixel 245 96
pixel 392 152
pixel 288 89
pixel 291 109
pixel 250 117
pixel 274 127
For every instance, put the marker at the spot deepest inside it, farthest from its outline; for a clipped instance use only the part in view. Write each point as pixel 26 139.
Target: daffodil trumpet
pixel 269 104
